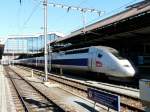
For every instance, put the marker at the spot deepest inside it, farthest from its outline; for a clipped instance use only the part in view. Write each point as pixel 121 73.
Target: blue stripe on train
pixel 77 62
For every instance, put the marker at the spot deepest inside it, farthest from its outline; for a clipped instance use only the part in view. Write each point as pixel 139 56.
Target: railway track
pixel 27 98
pixel 129 101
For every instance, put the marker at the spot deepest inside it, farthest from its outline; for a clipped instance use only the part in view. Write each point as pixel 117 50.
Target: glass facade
pixel 30 44
pixel 15 45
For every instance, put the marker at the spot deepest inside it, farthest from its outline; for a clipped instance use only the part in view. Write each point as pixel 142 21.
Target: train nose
pixel 131 72
pixel 127 68
pixel 128 71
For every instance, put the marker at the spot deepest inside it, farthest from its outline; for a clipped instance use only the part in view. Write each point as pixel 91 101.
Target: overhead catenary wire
pixel 83 10
pixel 63 16
pixel 108 13
pixel 30 16
pixel 114 10
pixel 67 7
pixel 71 7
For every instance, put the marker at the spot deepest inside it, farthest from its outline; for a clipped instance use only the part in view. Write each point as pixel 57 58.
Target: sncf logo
pixel 99 64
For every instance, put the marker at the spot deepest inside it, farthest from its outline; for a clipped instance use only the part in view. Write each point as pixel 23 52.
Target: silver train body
pixel 98 59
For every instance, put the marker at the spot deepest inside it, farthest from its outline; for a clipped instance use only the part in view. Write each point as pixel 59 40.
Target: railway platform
pixel 6 102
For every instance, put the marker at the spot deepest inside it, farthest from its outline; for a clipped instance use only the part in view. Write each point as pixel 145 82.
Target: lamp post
pixel 45 37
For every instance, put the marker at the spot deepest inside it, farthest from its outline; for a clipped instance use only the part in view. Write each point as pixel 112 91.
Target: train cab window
pixel 100 55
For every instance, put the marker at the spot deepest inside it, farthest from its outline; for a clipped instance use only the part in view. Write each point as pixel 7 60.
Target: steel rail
pixel 56 78
pixel 18 93
pixel 38 91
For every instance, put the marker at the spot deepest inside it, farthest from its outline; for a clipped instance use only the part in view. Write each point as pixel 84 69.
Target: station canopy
pixel 132 24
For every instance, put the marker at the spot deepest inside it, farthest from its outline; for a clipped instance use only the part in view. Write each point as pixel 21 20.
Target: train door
pixel 97 61
pixel 36 61
pixel 93 53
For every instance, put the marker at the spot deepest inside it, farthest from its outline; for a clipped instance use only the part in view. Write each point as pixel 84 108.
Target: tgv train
pixel 97 59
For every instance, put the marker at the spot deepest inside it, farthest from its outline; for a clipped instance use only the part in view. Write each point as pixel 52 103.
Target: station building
pixel 26 45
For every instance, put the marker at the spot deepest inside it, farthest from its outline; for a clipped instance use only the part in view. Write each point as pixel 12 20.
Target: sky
pixel 27 18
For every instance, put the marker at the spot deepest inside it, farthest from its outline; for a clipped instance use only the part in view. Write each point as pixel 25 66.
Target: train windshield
pixel 116 54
